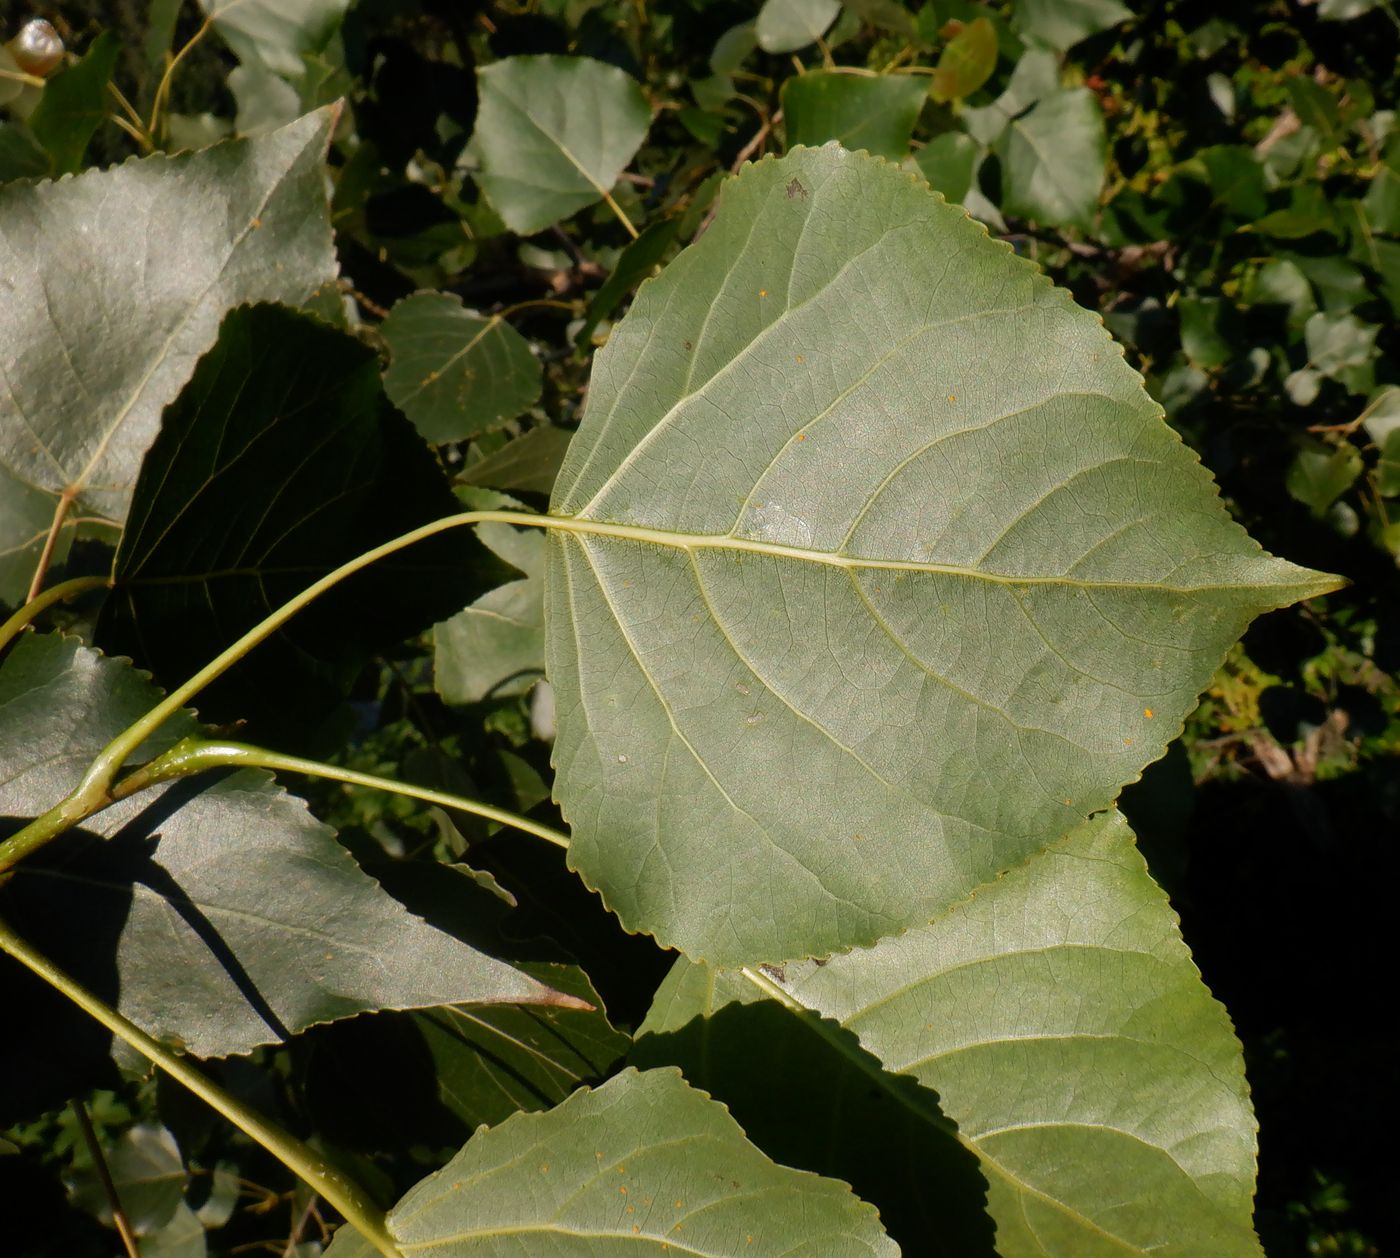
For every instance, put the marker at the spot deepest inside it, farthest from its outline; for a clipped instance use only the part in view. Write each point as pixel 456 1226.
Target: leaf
pixel 280 461
pixel 529 463
pixel 1063 23
pixel 455 374
pixel 949 162
pixel 642 1165
pixel 74 105
pixel 1321 473
pixel 966 62
pixel 787 25
pixel 20 154
pixel 875 571
pixel 1056 1028
pixel 553 134
pixel 635 264
pixel 149 1176
pixel 496 646
pixel 885 15
pixel 493 1060
pixel 217 914
pixel 1053 160
pixel 1342 347
pixel 94 347
pixel 876 114
pixel 275 33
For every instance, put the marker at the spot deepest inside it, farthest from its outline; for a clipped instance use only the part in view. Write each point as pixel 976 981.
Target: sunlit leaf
pixel 553 134
pixel 105 317
pixel 878 571
pixel 1053 160
pixel 1053 1026
pixel 642 1165
pixel 1063 23
pixel 966 62
pixel 787 25
pixel 876 114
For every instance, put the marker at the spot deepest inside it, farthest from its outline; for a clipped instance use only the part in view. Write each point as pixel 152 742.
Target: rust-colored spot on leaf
pixel 1147 712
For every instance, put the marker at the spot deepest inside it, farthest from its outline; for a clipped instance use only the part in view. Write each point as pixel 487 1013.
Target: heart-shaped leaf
pixel 553 134
pixel 1056 1028
pixel 875 570
pixel 115 283
pixel 455 374
pixel 642 1165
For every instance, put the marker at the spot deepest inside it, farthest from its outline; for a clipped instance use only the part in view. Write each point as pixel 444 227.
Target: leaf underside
pixel 877 572
pixel 1057 1029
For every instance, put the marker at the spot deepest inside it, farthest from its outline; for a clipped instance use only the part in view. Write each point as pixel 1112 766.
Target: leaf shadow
pixel 816 1100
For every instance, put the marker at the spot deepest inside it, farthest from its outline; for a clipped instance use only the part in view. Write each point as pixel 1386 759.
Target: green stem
pixel 193 755
pixel 339 1189
pixel 43 601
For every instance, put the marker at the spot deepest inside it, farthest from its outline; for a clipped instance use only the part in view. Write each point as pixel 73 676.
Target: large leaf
pixel 116 283
pixel 279 461
pixel 1057 1029
pixel 455 374
pixel 877 570
pixel 553 134
pixel 876 114
pixel 217 914
pixel 1053 160
pixel 642 1165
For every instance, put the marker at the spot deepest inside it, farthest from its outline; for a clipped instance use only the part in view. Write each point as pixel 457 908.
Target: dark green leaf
pixel 456 374
pixel 95 348
pixel 280 461
pixel 20 154
pixel 1053 160
pixel 529 463
pixel 553 134
pixel 948 162
pixel 1382 200
pixel 642 1165
pixel 966 62
pixel 1052 1025
pixel 885 15
pixel 492 1060
pixel 74 105
pixel 875 114
pixel 635 264
pixel 217 913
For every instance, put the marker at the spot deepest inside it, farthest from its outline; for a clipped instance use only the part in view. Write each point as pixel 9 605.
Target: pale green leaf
pixel 876 114
pixel 787 25
pixel 1053 160
pixel 553 134
pixel 642 1165
pixel 145 1166
pixel 118 280
pixel 877 570
pixel 1321 473
pixel 1057 1030
pixel 496 646
pixel 1063 23
pixel 528 463
pixel 453 373
pixel 276 33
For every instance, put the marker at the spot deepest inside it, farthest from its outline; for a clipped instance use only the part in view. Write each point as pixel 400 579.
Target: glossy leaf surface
pixel 553 134
pixel 642 1165
pixel 1056 1028
pixel 880 571
pixel 105 317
